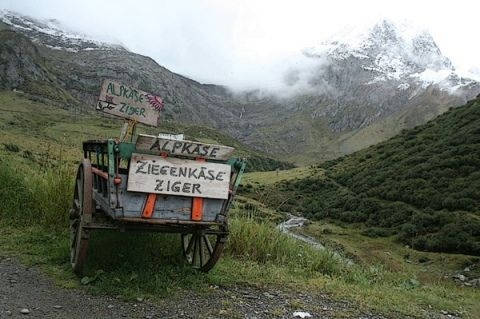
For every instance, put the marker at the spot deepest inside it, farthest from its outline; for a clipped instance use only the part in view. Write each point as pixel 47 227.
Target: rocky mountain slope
pixel 360 89
pixel 364 87
pixel 79 66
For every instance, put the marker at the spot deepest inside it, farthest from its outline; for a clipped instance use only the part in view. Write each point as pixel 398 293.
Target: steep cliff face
pixel 20 61
pixel 358 90
pixel 23 67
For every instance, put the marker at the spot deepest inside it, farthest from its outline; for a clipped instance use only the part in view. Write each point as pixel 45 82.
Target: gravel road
pixel 27 289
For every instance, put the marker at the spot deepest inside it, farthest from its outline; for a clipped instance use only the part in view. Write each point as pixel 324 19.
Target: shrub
pixel 376 232
pixel 11 147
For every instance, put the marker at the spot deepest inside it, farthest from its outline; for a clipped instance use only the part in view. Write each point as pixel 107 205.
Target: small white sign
pixel 176 137
pixel 175 176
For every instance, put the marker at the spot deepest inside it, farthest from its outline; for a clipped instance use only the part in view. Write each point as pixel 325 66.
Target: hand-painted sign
pixel 127 102
pixel 158 145
pixel 175 176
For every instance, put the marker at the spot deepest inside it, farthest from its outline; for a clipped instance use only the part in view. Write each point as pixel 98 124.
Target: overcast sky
pixel 245 43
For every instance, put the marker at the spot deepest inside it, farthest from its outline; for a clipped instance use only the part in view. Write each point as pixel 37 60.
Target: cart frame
pixel 101 201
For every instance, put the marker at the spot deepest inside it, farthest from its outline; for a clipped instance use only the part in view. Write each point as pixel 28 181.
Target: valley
pixel 373 154
pixel 381 282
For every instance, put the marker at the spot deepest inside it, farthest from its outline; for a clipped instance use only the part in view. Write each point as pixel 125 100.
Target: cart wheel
pixel 80 214
pixel 203 250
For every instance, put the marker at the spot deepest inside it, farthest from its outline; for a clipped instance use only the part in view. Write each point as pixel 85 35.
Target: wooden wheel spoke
pixel 206 249
pixel 77 204
pixel 208 245
pixel 195 248
pixel 190 245
pixel 200 250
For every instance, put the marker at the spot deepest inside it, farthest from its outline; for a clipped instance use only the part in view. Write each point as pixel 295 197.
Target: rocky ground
pixel 27 293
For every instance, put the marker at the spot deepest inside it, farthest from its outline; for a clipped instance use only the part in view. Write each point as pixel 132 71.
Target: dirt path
pixel 27 288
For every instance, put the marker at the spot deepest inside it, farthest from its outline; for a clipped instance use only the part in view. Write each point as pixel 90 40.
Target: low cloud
pixel 249 44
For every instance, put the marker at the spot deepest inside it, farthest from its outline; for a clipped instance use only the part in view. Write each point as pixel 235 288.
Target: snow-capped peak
pixel 52 33
pixel 388 38
pixel 389 50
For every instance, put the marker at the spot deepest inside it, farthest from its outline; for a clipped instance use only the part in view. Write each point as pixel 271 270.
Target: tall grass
pixel 35 197
pixel 263 243
pixel 43 198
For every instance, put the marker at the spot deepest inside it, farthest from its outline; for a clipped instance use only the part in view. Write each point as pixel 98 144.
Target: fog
pixel 250 44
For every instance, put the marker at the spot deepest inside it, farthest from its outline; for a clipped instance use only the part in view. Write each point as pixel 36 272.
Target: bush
pixel 11 147
pixel 422 185
pixel 376 232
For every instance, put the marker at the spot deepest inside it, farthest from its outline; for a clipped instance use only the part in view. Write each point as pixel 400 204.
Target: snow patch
pixel 301 314
pixel 429 76
pixel 58 34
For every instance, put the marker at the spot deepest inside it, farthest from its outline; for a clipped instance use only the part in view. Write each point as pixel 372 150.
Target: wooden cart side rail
pixel 166 221
pixel 104 175
pixel 100 173
pixel 161 228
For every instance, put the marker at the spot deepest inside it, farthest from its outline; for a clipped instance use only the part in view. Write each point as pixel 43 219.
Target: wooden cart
pixel 148 186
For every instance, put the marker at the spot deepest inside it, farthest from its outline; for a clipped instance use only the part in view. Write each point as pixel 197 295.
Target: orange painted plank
pixel 197 208
pixel 197 203
pixel 149 206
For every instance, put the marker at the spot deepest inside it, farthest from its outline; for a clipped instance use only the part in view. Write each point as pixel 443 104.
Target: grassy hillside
pixel 423 186
pixel 36 131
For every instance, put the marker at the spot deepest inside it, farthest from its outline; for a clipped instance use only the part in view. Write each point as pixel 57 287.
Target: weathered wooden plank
pixel 175 176
pixel 159 145
pixel 127 102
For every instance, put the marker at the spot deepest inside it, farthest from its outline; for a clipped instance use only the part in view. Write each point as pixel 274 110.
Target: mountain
pixel 421 186
pixel 361 88
pixel 387 68
pixel 77 65
pixel 358 90
pixel 39 59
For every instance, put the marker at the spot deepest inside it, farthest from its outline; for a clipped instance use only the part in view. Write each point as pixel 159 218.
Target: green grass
pixel 151 265
pixel 36 188
pixel 422 185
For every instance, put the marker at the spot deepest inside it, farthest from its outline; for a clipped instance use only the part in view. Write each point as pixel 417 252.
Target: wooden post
pixel 128 131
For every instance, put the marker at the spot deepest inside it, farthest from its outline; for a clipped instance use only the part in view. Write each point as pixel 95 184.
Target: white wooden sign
pixel 159 145
pixel 177 137
pixel 175 176
pixel 127 102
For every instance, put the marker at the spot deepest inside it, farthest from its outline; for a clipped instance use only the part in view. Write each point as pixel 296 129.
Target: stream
pixel 295 222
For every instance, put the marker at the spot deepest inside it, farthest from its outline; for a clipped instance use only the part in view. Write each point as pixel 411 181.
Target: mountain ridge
pixel 343 101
